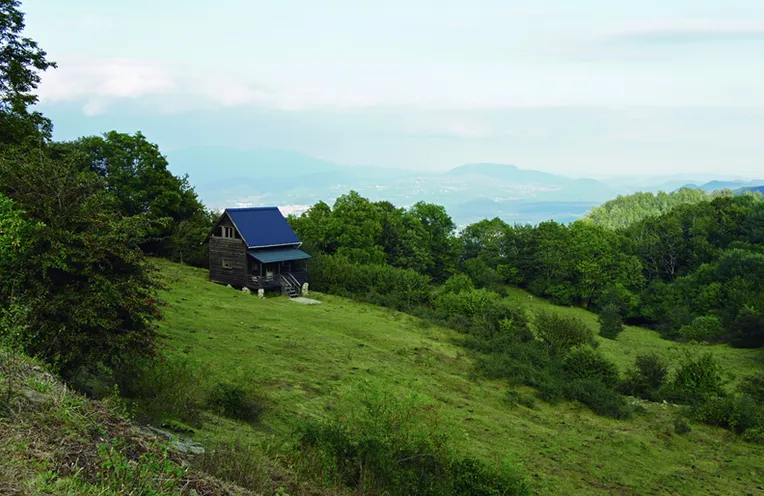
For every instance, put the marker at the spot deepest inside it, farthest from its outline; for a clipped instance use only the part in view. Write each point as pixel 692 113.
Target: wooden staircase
pixel 290 285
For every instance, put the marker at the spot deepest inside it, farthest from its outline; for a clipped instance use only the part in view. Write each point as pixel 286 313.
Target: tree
pixel 90 296
pixel 611 323
pixel 137 175
pixel 440 241
pixel 21 62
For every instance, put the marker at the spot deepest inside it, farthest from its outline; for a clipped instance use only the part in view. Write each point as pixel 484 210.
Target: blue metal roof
pixel 262 226
pixel 278 255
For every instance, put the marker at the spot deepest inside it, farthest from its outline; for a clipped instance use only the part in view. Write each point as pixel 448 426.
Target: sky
pixel 582 87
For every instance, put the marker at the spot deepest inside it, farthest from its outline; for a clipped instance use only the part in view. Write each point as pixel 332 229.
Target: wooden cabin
pixel 257 249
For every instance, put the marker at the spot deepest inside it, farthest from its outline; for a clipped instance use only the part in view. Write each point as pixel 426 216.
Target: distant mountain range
pixel 227 177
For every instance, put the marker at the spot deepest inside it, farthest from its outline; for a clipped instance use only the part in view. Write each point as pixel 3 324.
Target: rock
pixel 246 290
pixel 304 289
pixel 35 396
pixel 228 286
pixel 180 444
pixel 261 293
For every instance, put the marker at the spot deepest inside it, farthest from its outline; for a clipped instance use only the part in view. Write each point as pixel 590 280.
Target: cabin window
pixel 227 263
pixel 227 232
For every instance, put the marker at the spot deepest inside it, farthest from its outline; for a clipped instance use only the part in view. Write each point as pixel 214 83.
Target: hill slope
pixel 306 358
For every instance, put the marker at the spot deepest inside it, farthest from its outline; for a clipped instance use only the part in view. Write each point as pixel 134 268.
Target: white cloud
pixel 687 31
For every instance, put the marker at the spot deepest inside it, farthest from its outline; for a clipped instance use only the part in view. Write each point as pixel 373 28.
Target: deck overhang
pixel 274 255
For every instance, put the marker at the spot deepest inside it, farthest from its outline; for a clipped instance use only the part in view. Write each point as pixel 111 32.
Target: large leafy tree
pixel 21 63
pixel 440 239
pixel 88 296
pixel 137 175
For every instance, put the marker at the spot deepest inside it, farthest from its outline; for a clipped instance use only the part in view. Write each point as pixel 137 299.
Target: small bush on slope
pixel 398 447
pixel 647 378
pixel 561 333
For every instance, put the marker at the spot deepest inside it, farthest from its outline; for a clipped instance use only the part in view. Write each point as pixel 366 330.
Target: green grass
pixel 305 358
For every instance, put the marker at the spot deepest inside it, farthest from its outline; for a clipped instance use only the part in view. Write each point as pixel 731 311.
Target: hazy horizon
pixel 583 90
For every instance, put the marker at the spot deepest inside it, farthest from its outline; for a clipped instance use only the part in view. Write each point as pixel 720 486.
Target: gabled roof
pixel 262 227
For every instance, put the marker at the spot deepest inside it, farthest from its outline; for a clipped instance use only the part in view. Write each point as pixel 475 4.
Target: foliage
pixel 165 388
pixel 753 386
pixel 397 288
pixel 398 447
pixel 91 298
pixel 696 380
pixel 21 63
pixel 137 174
pixel 599 397
pixel 739 413
pixel 561 333
pixel 627 210
pixel 235 401
pixel 611 323
pixel 584 362
pixel 704 328
pixel 647 377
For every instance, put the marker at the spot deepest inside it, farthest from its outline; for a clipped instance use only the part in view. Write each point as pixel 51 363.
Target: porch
pixel 284 269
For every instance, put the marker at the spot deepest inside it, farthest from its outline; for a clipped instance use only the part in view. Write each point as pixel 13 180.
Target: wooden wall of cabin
pixel 228 258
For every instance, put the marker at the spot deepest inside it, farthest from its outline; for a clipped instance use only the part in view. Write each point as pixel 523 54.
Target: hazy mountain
pixel 226 177
pixel 509 173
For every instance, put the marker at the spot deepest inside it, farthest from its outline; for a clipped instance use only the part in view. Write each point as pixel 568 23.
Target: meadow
pixel 304 361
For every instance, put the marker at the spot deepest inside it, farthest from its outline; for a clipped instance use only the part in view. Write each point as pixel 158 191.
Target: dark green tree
pixel 88 295
pixel 21 63
pixel 611 322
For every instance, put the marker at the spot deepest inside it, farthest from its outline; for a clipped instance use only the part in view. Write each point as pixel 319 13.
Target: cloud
pixel 687 31
pixel 101 82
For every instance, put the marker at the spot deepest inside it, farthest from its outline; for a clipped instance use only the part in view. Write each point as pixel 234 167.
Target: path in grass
pixel 306 357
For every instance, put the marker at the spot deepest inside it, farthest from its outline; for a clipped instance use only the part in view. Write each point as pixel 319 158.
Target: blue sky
pixel 582 88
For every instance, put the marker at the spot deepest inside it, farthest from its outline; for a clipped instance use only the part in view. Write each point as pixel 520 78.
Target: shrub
pixel 237 462
pixel 458 283
pixel 646 378
pixel 737 413
pixel 562 333
pixel 747 331
pixel 171 387
pixel 397 447
pixel 697 380
pixel 235 401
pixel 753 386
pixel 611 323
pixel 704 328
pixel 584 362
pixel 597 396
pixel 681 426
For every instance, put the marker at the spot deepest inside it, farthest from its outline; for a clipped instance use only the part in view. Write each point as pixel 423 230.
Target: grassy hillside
pixel 306 359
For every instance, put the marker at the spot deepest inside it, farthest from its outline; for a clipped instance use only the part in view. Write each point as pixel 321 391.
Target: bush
pixel 747 331
pixel 753 386
pixel 646 378
pixel 480 311
pixel 597 396
pixel 397 447
pixel 235 401
pixel 681 426
pixel 611 323
pixel 562 333
pixel 171 387
pixel 737 413
pixel 237 462
pixel 705 328
pixel 584 362
pixel 697 380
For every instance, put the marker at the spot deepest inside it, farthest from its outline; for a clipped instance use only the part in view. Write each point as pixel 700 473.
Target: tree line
pixel 694 272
